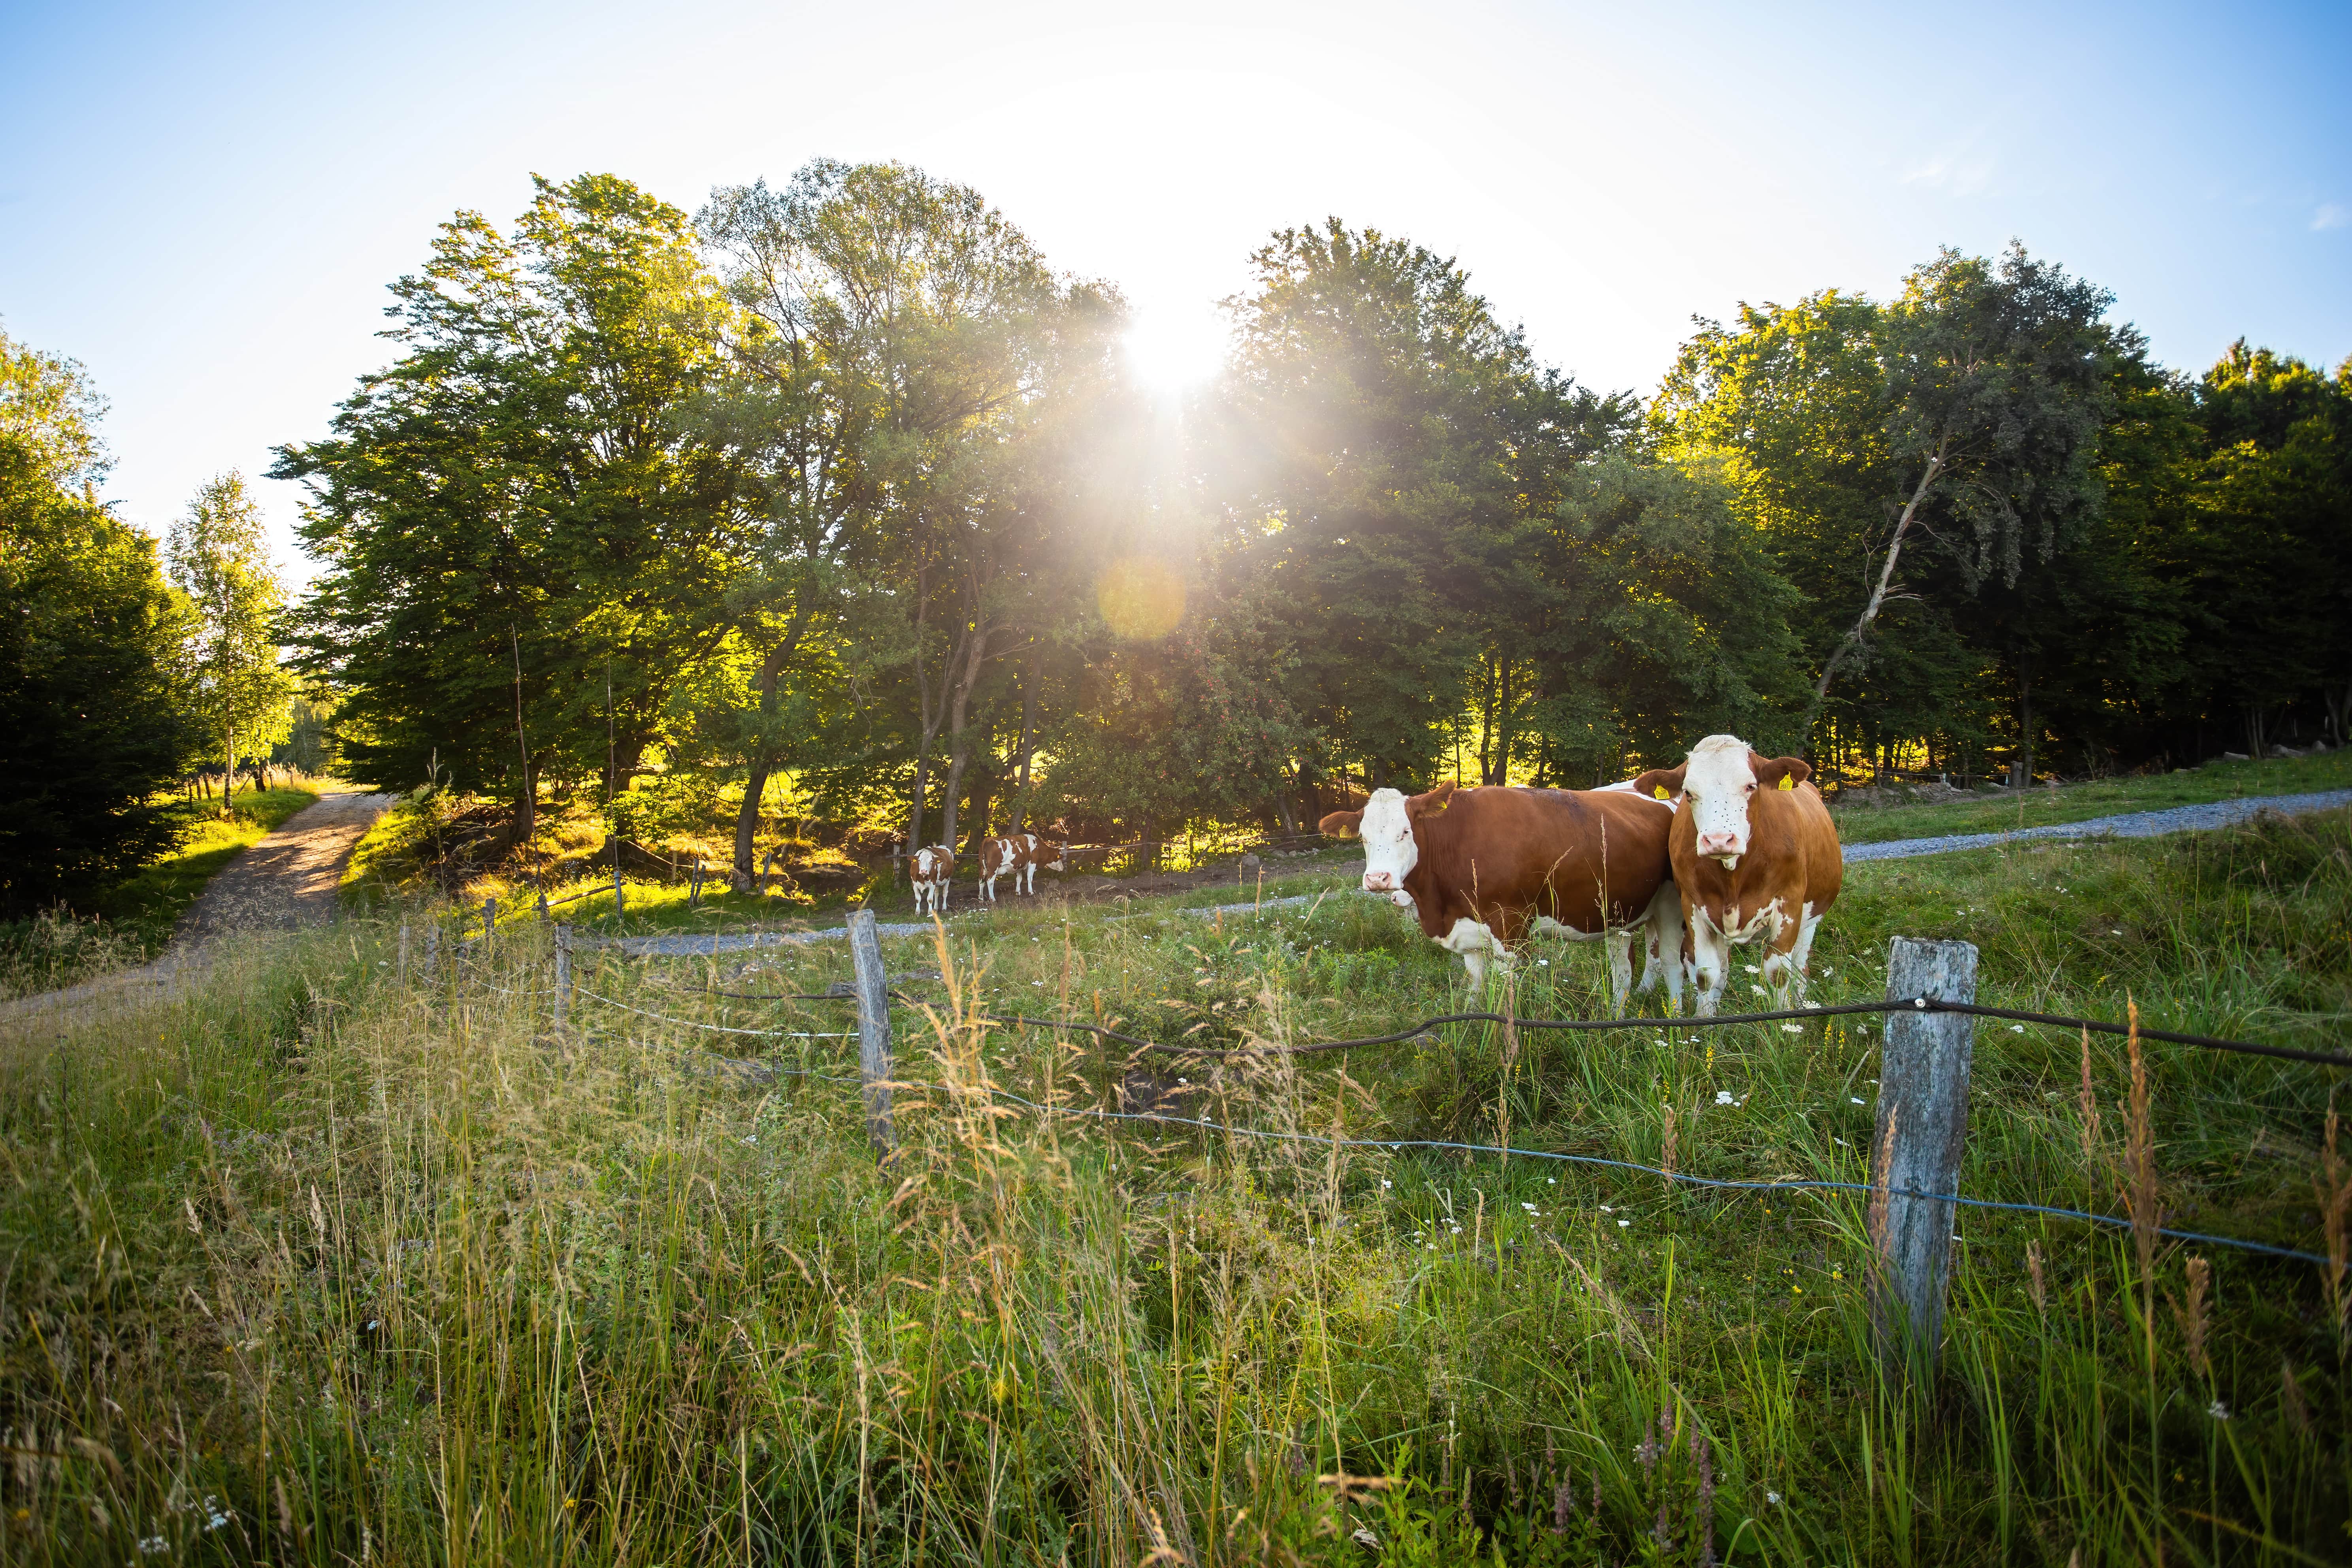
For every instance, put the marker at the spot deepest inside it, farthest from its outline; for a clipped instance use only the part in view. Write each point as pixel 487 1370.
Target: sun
pixel 1173 351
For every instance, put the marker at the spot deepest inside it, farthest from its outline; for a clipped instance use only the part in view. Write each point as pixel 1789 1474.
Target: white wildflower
pixel 2218 1411
pixel 1722 1096
pixel 1793 1028
pixel 1772 1498
pixel 1623 1223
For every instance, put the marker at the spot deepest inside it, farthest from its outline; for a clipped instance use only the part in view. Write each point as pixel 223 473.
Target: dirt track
pixel 285 883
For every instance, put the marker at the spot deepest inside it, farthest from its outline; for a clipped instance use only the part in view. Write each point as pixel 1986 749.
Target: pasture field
pixel 316 1266
pixel 2007 810
pixel 129 922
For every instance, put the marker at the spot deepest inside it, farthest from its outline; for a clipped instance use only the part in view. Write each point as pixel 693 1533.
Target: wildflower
pixel 1751 969
pixel 2218 1411
pixel 1856 1102
pixel 1551 1181
pixel 1623 1223
pixel 1722 1096
pixel 2017 1028
pixel 1385 1183
pixel 1793 1028
pixel 1772 1498
pixel 153 1545
pixel 1543 964
pixel 1531 1209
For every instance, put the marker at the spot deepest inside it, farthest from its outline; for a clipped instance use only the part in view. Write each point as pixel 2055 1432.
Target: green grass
pixel 2008 810
pixel 394 1273
pixel 129 922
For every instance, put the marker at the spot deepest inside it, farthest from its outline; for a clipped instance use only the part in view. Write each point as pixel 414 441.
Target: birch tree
pixel 219 554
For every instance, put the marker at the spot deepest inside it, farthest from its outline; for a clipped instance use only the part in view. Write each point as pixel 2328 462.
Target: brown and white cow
pixel 1484 867
pixel 999 858
pixel 1756 859
pixel 1051 854
pixel 933 869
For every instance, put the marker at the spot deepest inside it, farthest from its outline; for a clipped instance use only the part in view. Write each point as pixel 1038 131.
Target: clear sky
pixel 203 203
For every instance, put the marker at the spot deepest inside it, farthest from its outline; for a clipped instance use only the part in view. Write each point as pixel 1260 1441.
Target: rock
pixel 1251 863
pixel 2235 757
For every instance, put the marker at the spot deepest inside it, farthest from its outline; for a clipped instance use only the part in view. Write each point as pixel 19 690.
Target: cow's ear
pixel 1661 783
pixel 1340 824
pixel 1782 772
pixel 1429 804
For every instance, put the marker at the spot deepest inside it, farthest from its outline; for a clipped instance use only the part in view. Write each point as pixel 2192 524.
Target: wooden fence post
pixel 620 898
pixel 562 971
pixel 433 952
pixel 694 884
pixel 403 955
pixel 873 1028
pixel 489 924
pixel 1922 1128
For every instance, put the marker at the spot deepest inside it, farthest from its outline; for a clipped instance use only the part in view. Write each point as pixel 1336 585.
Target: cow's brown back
pixel 1504 855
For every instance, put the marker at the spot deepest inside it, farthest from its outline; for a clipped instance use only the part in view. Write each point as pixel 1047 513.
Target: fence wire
pixel 2117 1222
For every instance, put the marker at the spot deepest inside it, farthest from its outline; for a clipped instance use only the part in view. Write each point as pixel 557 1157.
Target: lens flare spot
pixel 1142 599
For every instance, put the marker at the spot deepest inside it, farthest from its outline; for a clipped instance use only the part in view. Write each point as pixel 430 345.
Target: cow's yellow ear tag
pixel 1788 783
pixel 1660 791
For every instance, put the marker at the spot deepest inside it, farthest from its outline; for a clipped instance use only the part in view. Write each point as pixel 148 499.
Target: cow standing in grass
pixel 999 858
pixel 933 869
pixel 1756 857
pixel 1050 853
pixel 1485 868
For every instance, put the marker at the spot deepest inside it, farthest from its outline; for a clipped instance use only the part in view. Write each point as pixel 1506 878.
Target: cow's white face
pixel 1717 787
pixel 1390 851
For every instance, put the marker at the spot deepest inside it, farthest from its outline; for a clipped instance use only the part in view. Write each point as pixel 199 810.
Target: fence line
pixel 2123 1222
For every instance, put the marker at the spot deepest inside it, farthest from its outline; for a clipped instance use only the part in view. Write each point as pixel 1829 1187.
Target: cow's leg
pixel 1620 965
pixel 1661 934
pixel 1792 945
pixel 1710 962
pixel 1476 944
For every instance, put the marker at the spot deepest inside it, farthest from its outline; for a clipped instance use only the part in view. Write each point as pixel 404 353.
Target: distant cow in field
pixel 1756 859
pixel 1052 854
pixel 1484 867
pixel 933 869
pixel 999 858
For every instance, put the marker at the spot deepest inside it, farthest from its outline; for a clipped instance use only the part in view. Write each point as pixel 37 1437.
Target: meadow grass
pixel 317 1266
pixel 1998 811
pixel 129 921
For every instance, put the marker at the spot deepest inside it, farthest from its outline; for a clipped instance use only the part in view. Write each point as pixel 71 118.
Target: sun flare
pixel 1172 351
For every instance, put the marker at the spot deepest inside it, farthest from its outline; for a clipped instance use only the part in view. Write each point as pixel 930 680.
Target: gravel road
pixel 285 883
pixel 2131 825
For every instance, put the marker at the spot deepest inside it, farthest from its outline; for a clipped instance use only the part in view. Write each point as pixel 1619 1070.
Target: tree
pixel 517 511
pixel 1367 456
pixel 1996 382
pixel 219 554
pixel 896 339
pixel 91 637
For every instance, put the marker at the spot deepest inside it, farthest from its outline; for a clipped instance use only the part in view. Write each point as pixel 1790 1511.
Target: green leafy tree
pixel 239 688
pixel 898 340
pixel 517 514
pixel 1369 455
pixel 90 640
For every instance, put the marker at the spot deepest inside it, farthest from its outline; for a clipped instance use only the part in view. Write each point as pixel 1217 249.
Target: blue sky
pixel 204 205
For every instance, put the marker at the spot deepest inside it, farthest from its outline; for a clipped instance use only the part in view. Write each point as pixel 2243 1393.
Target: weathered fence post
pixel 620 898
pixel 694 884
pixel 562 971
pixel 873 1028
pixel 1916 1146
pixel 433 952
pixel 403 955
pixel 489 924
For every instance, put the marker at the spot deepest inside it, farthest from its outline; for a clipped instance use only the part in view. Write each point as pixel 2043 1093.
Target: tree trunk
pixel 1502 774
pixel 2022 773
pixel 1486 724
pixel 975 652
pixel 228 779
pixel 762 761
pixel 1029 676
pixel 1878 594
pixel 526 809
